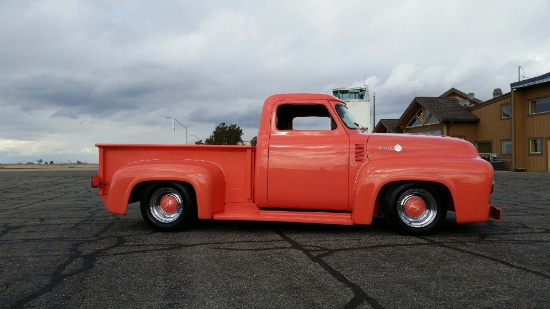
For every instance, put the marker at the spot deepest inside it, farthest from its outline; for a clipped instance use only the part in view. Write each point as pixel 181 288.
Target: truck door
pixel 308 158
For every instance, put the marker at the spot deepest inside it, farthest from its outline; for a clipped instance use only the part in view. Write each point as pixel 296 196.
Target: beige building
pixel 358 103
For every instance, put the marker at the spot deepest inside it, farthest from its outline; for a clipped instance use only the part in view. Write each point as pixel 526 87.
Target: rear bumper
pixel 95 181
pixel 495 213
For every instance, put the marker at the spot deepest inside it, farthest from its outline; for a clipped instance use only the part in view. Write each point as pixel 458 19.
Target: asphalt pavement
pixel 59 248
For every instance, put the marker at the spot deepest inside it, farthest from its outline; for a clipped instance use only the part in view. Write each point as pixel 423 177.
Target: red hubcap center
pixel 169 204
pixel 415 207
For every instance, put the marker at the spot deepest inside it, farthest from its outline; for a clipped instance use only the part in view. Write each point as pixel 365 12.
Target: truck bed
pixel 237 162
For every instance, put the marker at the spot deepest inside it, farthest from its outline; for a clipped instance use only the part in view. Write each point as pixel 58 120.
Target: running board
pixel 250 212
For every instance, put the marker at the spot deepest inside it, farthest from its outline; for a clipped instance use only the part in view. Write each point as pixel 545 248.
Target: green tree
pixel 225 135
pixel 254 141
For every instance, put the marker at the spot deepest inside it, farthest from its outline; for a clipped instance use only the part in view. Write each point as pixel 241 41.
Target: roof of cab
pixel 300 96
pixel 272 100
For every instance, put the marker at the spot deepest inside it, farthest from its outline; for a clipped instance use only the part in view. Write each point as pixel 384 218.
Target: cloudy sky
pixel 77 73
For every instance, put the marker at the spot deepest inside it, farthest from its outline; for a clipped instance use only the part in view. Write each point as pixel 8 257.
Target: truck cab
pixel 309 158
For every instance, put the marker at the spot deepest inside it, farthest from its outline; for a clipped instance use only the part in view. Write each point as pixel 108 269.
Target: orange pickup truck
pixel 311 164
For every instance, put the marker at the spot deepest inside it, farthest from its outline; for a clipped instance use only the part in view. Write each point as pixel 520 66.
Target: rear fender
pixel 206 178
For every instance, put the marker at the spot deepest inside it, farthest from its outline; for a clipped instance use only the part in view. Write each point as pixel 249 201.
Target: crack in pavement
pixel 505 263
pixel 60 273
pixel 359 295
pixel 19 206
pixel 6 228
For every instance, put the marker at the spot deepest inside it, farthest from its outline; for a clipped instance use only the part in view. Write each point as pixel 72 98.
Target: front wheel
pixel 168 206
pixel 414 209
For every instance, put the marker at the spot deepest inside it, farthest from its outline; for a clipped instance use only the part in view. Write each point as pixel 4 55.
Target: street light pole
pixel 173 129
pixel 174 120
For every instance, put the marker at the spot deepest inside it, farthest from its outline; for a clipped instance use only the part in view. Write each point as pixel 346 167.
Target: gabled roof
pixel 390 125
pixel 447 110
pixel 543 79
pixel 461 94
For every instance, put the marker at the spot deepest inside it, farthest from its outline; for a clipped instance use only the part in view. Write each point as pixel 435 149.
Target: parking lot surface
pixel 60 248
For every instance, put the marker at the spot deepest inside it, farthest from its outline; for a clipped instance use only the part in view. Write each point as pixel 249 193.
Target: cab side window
pixel 304 117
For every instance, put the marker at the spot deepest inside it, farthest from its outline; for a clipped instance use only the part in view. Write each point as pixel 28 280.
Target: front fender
pixel 468 180
pixel 206 178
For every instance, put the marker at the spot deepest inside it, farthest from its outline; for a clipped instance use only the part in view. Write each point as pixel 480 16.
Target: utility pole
pixel 174 120
pixel 173 129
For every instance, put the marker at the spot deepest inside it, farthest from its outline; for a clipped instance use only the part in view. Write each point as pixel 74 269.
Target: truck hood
pixel 384 146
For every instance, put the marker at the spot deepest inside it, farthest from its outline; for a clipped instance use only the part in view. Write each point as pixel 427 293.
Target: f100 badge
pixel 396 148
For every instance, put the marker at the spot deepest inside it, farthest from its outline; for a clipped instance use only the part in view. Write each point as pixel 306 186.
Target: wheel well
pixel 137 190
pixel 443 191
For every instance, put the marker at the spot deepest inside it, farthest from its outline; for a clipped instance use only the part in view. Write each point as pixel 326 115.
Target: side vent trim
pixel 360 152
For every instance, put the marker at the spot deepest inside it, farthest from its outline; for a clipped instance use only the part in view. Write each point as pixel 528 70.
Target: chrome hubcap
pixel 417 208
pixel 166 205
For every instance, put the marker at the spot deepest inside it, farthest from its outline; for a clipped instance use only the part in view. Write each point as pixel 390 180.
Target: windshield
pixel 346 117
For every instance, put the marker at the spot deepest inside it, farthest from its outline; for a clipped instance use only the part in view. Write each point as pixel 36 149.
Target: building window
pixel 538 106
pixel 432 120
pixel 423 117
pixel 414 123
pixel 506 147
pixel 350 94
pixel 506 111
pixel 463 102
pixel 535 146
pixel 484 147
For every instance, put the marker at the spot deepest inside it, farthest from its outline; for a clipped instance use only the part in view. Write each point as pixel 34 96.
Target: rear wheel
pixel 168 206
pixel 414 209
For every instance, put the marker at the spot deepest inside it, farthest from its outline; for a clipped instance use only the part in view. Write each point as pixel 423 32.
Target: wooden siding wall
pixel 530 126
pixel 463 130
pixel 492 127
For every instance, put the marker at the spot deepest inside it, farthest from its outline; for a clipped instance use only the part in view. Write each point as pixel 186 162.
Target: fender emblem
pixel 396 148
